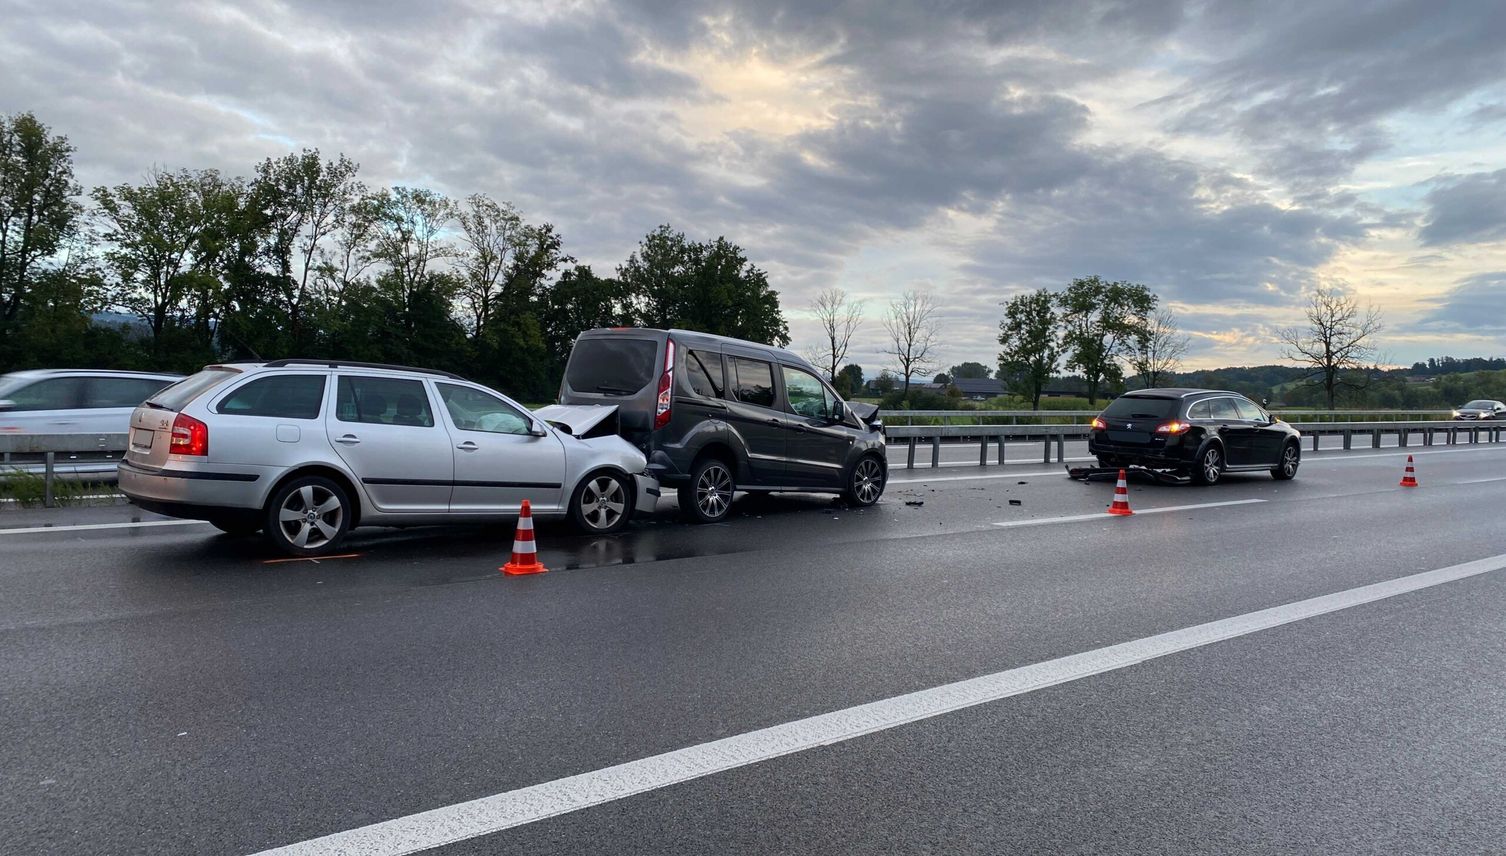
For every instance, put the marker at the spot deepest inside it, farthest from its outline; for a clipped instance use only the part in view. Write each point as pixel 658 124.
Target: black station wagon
pixel 1201 433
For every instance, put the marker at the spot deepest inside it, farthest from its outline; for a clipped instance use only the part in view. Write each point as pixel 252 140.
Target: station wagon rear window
pixel 177 396
pixel 1142 407
pixel 612 366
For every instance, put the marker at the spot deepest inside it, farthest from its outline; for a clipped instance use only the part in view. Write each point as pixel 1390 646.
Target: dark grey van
pixel 717 415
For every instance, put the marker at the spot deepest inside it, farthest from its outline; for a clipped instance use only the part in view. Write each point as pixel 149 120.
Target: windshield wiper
pixel 613 390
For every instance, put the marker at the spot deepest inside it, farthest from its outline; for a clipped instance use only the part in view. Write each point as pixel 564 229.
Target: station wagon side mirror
pixel 7 404
pixel 536 430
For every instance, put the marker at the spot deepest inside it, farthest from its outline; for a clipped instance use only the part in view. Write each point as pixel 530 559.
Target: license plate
pixel 141 439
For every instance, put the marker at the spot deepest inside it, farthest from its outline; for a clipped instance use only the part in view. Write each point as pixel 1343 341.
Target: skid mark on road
pixel 493 814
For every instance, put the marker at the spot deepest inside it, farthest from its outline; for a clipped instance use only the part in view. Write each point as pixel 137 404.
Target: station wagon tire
pixel 1286 468
pixel 866 482
pixel 307 516
pixel 708 497
pixel 602 503
pixel 1209 467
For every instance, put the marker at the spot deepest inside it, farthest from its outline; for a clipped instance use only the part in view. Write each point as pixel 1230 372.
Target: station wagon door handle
pixel 799 429
pixel 348 440
pixel 467 446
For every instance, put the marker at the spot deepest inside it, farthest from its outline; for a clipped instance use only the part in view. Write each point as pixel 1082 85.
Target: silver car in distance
pixel 306 450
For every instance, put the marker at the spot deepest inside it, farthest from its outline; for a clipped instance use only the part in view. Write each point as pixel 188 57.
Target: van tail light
pixel 666 385
pixel 1174 427
pixel 1099 424
pixel 190 436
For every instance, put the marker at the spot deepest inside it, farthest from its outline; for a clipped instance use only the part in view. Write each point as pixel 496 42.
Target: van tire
pixel 708 496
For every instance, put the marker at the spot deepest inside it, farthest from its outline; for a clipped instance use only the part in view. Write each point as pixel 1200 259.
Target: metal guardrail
pixel 1057 435
pixel 1072 417
pixel 25 452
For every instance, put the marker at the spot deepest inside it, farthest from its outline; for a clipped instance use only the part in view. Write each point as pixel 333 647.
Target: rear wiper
pixel 613 390
pixel 155 406
pixel 1144 416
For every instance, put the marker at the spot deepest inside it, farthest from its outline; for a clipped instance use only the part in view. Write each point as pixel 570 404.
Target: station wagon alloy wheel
pixel 310 517
pixel 1291 457
pixel 603 502
pixel 713 491
pixel 1210 466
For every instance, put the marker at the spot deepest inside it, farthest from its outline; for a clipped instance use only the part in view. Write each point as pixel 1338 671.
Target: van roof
pixel 692 337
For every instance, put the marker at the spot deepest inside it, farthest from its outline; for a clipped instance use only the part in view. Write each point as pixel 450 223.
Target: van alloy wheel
pixel 867 481
pixel 310 516
pixel 713 491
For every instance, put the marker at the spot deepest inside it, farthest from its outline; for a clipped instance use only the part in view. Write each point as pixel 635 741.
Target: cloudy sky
pixel 1228 155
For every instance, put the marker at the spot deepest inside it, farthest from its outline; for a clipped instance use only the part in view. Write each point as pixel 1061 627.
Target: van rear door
pixel 618 368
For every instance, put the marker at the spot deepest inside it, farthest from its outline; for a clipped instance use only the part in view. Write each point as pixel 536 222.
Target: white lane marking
pixel 980 476
pixel 487 815
pixel 76 527
pixel 1481 481
pixel 1102 515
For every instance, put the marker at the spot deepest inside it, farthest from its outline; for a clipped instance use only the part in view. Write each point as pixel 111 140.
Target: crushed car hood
pixel 866 413
pixel 576 419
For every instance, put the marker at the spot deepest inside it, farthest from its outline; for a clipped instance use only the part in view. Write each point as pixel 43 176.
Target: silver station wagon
pixel 305 450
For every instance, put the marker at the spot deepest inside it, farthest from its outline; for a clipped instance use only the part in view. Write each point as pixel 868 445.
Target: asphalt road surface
pixel 1312 666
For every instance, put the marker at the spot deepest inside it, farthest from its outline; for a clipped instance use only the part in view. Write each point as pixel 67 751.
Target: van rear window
pixel 178 395
pixel 612 366
pixel 1138 407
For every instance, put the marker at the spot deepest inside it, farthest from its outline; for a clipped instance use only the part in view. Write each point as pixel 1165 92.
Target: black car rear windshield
pixel 178 395
pixel 612 366
pixel 1137 407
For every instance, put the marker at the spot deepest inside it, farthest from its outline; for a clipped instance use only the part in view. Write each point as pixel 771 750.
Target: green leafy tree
pixel 1101 322
pixel 579 301
pixel 969 371
pixel 849 382
pixel 491 236
pixel 1031 347
pixel 39 209
pixel 709 286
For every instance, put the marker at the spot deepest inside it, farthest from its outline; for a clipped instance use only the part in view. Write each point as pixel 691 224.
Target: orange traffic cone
pixel 525 554
pixel 1121 497
pixel 1409 478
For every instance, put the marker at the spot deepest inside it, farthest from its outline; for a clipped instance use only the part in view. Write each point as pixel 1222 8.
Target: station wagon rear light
pixel 1099 424
pixel 666 385
pixel 190 436
pixel 1173 427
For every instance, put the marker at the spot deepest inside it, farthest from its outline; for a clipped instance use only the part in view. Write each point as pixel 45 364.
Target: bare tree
pixel 1159 349
pixel 840 319
pixel 913 329
pixel 1338 338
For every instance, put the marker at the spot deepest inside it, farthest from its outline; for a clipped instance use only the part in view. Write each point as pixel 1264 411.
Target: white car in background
pixel 304 450
pixel 74 401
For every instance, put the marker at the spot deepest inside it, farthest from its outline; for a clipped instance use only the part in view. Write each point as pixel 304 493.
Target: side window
pixel 806 395
pixel 704 371
pixel 279 396
pixel 473 410
pixel 1201 410
pixel 1248 411
pixel 755 381
pixel 1223 408
pixel 120 391
pixel 383 401
pixel 57 393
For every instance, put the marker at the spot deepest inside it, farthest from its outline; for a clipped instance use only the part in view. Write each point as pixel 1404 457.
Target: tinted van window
pixel 755 381
pixel 177 396
pixel 281 396
pixel 1136 407
pixel 612 366
pixel 704 371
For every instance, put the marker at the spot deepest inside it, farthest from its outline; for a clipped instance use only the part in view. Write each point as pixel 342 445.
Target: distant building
pixel 978 388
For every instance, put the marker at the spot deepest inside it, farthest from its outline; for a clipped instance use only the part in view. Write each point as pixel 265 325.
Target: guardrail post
pixel 1402 437
pixel 1061 448
pixel 1347 436
pixel 47 498
pixel 1001 449
pixel 1453 435
pixel 982 451
pixel 1315 441
pixel 936 451
pixel 1375 439
pixel 1047 459
pixel 1427 436
pixel 910 456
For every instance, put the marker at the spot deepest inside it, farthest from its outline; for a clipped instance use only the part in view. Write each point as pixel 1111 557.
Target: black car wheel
pixel 866 484
pixel 1209 467
pixel 1286 468
pixel 602 503
pixel 708 497
pixel 308 516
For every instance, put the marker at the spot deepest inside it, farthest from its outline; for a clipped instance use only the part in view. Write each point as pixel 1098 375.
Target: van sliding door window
pixel 704 370
pixel 755 381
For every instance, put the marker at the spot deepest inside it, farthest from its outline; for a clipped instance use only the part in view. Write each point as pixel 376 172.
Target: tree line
pixel 302 258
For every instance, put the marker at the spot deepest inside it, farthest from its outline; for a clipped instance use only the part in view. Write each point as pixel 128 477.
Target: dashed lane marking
pixel 1102 516
pixel 81 527
pixel 489 815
